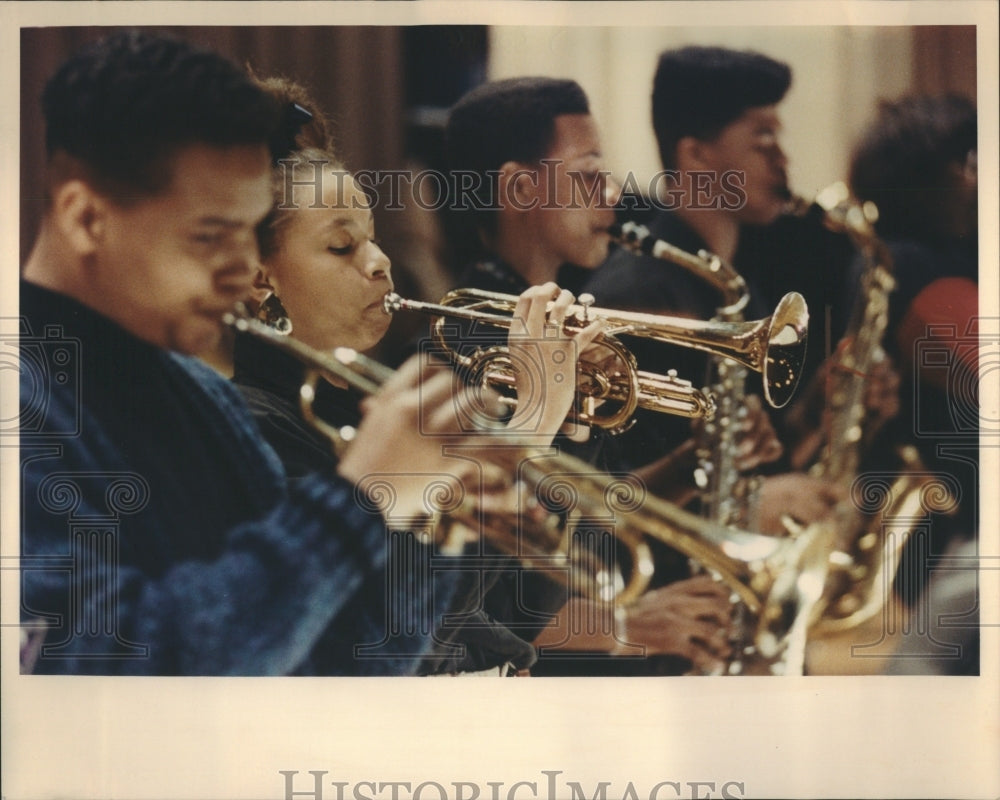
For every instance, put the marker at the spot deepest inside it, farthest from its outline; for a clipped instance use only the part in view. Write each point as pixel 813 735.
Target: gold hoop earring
pixel 273 314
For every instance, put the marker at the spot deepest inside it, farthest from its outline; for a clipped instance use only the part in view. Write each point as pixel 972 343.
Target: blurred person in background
pixel 916 160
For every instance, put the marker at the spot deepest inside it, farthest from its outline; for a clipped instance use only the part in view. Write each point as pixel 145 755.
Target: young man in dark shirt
pixel 718 126
pixel 540 197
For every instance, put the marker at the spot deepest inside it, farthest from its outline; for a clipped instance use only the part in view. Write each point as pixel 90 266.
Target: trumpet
pixel 773 346
pixel 777 579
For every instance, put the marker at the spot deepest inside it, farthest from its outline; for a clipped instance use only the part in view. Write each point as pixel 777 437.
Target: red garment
pixel 946 312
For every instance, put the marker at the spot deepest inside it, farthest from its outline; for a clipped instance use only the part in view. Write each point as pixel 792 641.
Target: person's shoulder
pixel 207 379
pixel 915 263
pixel 621 266
pixel 629 280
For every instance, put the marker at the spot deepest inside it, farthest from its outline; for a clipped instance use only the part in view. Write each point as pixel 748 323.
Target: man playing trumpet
pixel 159 534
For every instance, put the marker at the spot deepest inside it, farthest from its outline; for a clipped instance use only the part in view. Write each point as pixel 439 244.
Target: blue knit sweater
pixel 160 536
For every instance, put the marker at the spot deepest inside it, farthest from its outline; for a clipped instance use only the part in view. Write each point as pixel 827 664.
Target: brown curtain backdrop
pixel 358 75
pixel 944 60
pixel 355 74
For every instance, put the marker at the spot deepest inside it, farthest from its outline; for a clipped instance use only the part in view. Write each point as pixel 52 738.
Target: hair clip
pixel 298 115
pixel 283 141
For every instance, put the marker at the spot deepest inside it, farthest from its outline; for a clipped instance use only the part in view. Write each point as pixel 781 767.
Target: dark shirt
pixel 492 275
pixel 799 254
pixel 270 380
pixel 519 590
pixel 630 282
pixel 644 283
pixel 939 409
pixel 159 534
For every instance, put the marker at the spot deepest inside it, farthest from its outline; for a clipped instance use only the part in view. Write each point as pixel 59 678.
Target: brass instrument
pixel 866 554
pixel 863 338
pixel 778 580
pixel 725 493
pixel 773 346
pixel 708 266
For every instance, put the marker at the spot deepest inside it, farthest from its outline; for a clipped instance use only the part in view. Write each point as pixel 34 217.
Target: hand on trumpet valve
pixel 544 352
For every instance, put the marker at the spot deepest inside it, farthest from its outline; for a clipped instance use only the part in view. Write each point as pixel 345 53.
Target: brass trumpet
pixel 607 396
pixel 777 579
pixel 773 346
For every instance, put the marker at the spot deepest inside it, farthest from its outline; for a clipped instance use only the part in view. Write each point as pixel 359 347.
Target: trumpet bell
pixel 786 349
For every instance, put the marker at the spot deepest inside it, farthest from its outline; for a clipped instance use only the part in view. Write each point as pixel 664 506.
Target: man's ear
pixel 518 186
pixel 693 154
pixel 80 214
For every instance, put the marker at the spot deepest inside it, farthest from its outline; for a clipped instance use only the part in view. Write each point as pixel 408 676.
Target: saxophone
pixel 726 495
pixel 871 529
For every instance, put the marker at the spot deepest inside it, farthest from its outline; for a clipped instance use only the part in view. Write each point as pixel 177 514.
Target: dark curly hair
pixel 698 91
pixel 123 106
pixel 302 125
pixel 902 160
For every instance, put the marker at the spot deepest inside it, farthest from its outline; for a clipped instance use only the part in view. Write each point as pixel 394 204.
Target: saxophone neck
pixel 709 267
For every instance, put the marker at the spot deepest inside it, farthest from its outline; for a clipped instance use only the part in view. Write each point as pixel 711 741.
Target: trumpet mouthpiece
pixel 391 302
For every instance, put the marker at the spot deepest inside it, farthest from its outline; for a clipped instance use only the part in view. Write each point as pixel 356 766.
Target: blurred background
pixel 388 89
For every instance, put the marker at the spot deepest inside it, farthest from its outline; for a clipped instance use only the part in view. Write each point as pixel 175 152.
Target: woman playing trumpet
pixel 322 279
